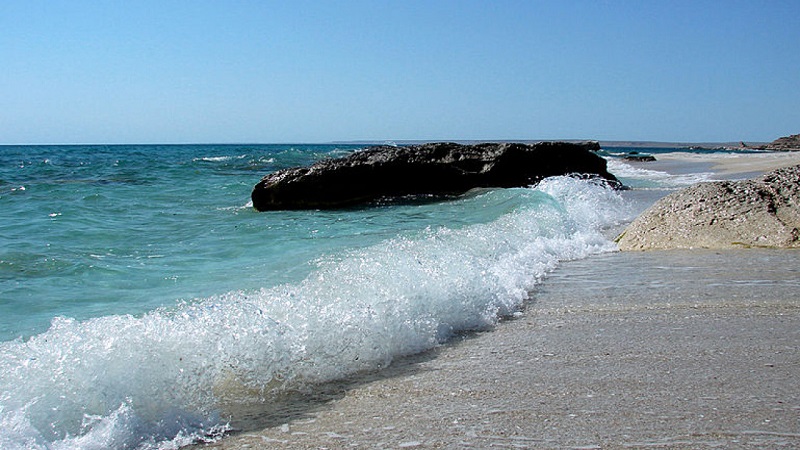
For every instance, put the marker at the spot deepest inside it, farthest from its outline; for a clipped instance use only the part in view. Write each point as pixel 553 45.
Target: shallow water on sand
pixel 678 349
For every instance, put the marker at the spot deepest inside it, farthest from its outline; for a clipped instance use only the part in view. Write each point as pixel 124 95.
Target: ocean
pixel 144 302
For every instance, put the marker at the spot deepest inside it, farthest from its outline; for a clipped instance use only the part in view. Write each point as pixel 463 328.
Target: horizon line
pixel 609 142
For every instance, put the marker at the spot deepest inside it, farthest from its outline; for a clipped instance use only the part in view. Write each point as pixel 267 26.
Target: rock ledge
pixel 762 212
pixel 785 144
pixel 429 169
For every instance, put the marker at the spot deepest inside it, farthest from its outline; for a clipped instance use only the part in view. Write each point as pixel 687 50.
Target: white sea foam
pixel 655 178
pixel 161 380
pixel 219 158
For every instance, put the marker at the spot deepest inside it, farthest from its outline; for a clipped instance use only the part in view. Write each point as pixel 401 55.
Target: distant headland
pixel 784 144
pixel 787 143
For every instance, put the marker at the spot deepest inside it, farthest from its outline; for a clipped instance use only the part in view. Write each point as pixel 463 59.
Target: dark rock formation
pixel 590 145
pixel 429 169
pixel 785 144
pixel 762 212
pixel 638 157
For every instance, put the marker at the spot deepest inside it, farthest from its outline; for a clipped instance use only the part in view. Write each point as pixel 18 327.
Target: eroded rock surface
pixel 785 144
pixel 762 212
pixel 428 169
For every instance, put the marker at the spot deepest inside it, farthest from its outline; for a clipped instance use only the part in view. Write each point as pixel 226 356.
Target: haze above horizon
pixel 309 71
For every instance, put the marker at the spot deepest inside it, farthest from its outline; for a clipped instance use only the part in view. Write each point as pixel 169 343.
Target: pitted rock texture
pixel 434 169
pixel 762 212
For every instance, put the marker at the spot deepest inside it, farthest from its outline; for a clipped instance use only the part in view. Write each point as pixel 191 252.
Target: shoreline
pixel 590 365
pixel 677 349
pixel 729 165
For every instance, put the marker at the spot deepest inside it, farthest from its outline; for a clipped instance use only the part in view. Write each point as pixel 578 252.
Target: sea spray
pixel 161 379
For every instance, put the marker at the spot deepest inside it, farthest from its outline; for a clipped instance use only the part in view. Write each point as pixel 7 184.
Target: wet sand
pixel 681 349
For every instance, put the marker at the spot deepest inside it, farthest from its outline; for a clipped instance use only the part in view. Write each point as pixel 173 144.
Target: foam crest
pixel 163 379
pixel 219 158
pixel 647 178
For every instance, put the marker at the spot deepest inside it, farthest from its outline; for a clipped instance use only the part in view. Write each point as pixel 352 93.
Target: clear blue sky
pixel 316 71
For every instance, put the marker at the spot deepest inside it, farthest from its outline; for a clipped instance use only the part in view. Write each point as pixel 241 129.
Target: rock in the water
pixel 428 169
pixel 635 157
pixel 762 212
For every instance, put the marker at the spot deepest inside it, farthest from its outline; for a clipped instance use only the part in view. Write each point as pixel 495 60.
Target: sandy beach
pixel 678 349
pixel 731 165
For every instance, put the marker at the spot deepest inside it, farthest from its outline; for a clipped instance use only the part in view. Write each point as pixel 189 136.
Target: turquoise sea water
pixel 140 292
pixel 99 230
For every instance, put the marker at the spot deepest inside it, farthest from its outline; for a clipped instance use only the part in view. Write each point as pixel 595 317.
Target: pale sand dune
pixel 686 349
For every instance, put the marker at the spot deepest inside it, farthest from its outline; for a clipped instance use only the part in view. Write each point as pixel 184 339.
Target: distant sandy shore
pixel 736 163
pixel 681 349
